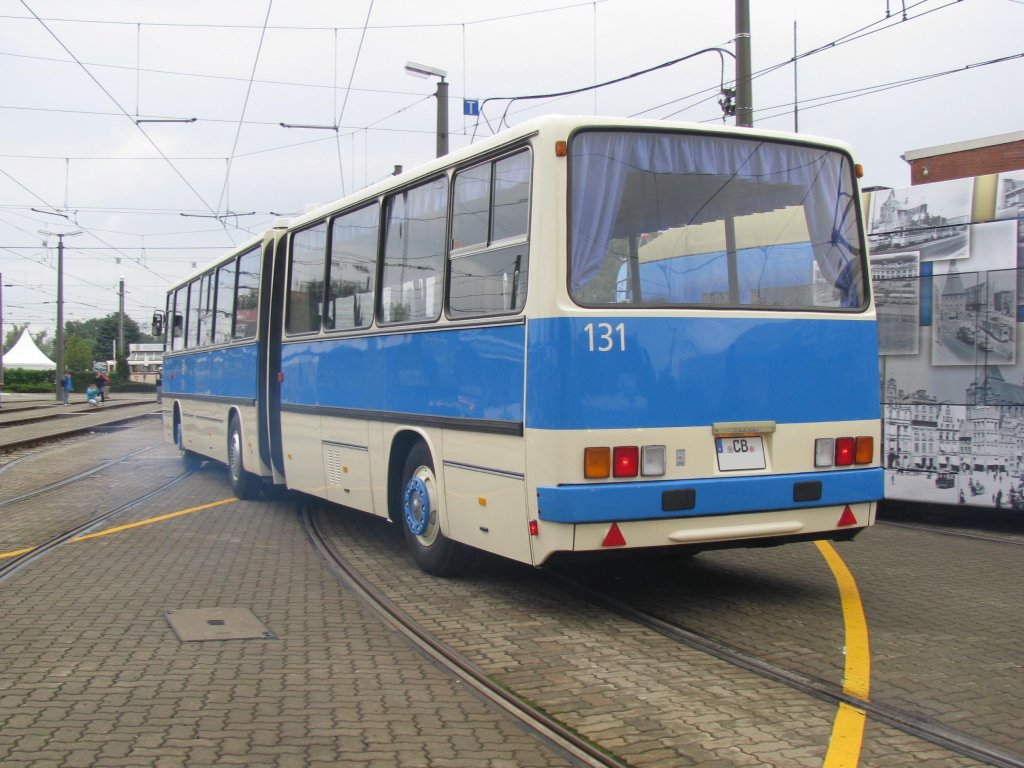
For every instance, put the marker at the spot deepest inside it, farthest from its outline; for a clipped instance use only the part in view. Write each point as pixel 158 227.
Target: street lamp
pixel 422 70
pixel 59 343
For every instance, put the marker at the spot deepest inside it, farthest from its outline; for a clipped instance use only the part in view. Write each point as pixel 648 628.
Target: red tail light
pixel 626 461
pixel 845 451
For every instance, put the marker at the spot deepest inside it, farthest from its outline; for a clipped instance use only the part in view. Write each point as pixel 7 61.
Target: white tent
pixel 25 354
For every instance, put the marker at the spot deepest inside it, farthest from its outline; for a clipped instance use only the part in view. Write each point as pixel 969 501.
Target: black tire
pixel 190 459
pixel 420 508
pixel 243 484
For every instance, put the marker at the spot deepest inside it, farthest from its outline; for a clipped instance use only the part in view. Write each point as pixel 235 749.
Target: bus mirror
pixel 158 323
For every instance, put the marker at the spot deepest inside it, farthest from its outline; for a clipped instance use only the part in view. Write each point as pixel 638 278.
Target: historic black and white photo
pixel 932 218
pixel 897 302
pixel 974 318
pixel 1010 195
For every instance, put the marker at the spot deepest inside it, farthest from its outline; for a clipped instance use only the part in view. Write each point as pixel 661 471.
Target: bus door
pixel 272 319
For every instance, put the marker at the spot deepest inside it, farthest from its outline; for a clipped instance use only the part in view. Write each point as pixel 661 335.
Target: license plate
pixel 736 453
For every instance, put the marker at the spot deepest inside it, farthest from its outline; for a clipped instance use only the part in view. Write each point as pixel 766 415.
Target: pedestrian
pixel 66 385
pixel 106 386
pixel 101 385
pixel 92 395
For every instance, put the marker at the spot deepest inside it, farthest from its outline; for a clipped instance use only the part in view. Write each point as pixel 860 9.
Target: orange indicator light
pixel 597 463
pixel 865 452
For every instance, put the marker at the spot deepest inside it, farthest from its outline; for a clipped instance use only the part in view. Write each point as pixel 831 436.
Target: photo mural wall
pixel 947 272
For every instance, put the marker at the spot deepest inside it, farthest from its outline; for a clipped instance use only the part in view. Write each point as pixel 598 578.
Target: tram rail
pixel 943 530
pixel 31 553
pixel 529 717
pixel 916 725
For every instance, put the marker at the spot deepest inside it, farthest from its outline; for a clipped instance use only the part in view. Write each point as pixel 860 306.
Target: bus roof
pixel 556 126
pixel 559 127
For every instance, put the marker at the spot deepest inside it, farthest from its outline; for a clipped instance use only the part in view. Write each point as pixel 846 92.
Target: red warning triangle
pixel 847 518
pixel 614 538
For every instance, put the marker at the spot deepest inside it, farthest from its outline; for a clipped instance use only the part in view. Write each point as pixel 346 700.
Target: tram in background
pixel 582 334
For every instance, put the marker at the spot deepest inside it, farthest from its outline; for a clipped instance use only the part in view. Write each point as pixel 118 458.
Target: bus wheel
pixel 242 483
pixel 433 552
pixel 190 459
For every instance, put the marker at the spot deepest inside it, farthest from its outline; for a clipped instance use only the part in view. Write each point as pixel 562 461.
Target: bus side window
pixel 353 269
pixel 247 295
pixel 490 251
pixel 192 315
pixel 414 253
pixel 306 279
pixel 224 311
pixel 176 318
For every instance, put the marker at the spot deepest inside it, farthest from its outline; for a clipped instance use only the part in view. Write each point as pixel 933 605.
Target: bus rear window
pixel 690 220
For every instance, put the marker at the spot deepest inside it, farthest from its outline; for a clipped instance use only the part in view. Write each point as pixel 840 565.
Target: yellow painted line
pixel 120 528
pixel 848 728
pixel 847 736
pixel 151 520
pixel 15 552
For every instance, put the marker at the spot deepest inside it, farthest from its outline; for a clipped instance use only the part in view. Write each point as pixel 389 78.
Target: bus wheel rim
pixel 416 506
pixel 235 459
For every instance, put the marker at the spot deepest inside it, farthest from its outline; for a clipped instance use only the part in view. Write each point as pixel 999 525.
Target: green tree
pixel 103 332
pixel 78 354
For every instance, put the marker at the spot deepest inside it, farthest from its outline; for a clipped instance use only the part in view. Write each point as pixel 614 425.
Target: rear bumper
pixel 660 500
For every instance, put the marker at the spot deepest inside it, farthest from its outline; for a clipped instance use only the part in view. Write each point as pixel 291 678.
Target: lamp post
pixel 59 340
pixel 422 70
pixel 120 324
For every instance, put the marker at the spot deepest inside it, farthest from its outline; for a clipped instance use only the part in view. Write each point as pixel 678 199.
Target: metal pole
pixel 59 342
pixel 744 90
pixel 796 100
pixel 120 321
pixel 58 349
pixel 442 117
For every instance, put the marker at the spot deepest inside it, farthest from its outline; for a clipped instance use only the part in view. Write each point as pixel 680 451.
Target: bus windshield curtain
pixel 734 177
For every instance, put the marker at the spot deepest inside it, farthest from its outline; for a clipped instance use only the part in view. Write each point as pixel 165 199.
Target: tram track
pixel 529 717
pixel 68 480
pixel 943 530
pixel 37 551
pixel 900 716
pixel 913 724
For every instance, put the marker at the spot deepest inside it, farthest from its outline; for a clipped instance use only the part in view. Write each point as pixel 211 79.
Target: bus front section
pixel 713 378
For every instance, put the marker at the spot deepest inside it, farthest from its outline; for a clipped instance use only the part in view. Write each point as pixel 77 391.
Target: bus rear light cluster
pixel 843 451
pixel 624 461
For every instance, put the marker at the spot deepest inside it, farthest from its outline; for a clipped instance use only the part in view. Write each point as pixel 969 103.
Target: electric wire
pixel 245 104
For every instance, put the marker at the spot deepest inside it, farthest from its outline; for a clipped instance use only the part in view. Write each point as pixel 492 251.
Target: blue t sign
pixel 470 107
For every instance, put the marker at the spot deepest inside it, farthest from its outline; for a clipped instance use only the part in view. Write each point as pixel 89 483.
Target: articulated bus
pixel 580 335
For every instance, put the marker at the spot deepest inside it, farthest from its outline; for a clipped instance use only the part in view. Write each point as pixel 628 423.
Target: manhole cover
pixel 216 624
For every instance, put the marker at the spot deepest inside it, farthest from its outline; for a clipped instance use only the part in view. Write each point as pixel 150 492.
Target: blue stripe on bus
pixel 220 372
pixel 685 372
pixel 471 373
pixel 617 502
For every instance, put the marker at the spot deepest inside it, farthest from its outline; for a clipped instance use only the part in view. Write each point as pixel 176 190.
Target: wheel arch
pixel 236 415
pixel 402 443
pixel 176 422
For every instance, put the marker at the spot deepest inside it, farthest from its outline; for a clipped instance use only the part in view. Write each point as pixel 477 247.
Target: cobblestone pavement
pixel 91 673
pixel 647 698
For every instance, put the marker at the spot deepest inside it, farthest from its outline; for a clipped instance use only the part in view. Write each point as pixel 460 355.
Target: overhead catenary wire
pixel 245 104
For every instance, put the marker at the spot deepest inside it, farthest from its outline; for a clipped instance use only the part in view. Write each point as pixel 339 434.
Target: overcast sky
pixel 76 76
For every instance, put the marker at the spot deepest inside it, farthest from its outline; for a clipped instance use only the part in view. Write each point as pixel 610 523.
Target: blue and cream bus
pixel 583 334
